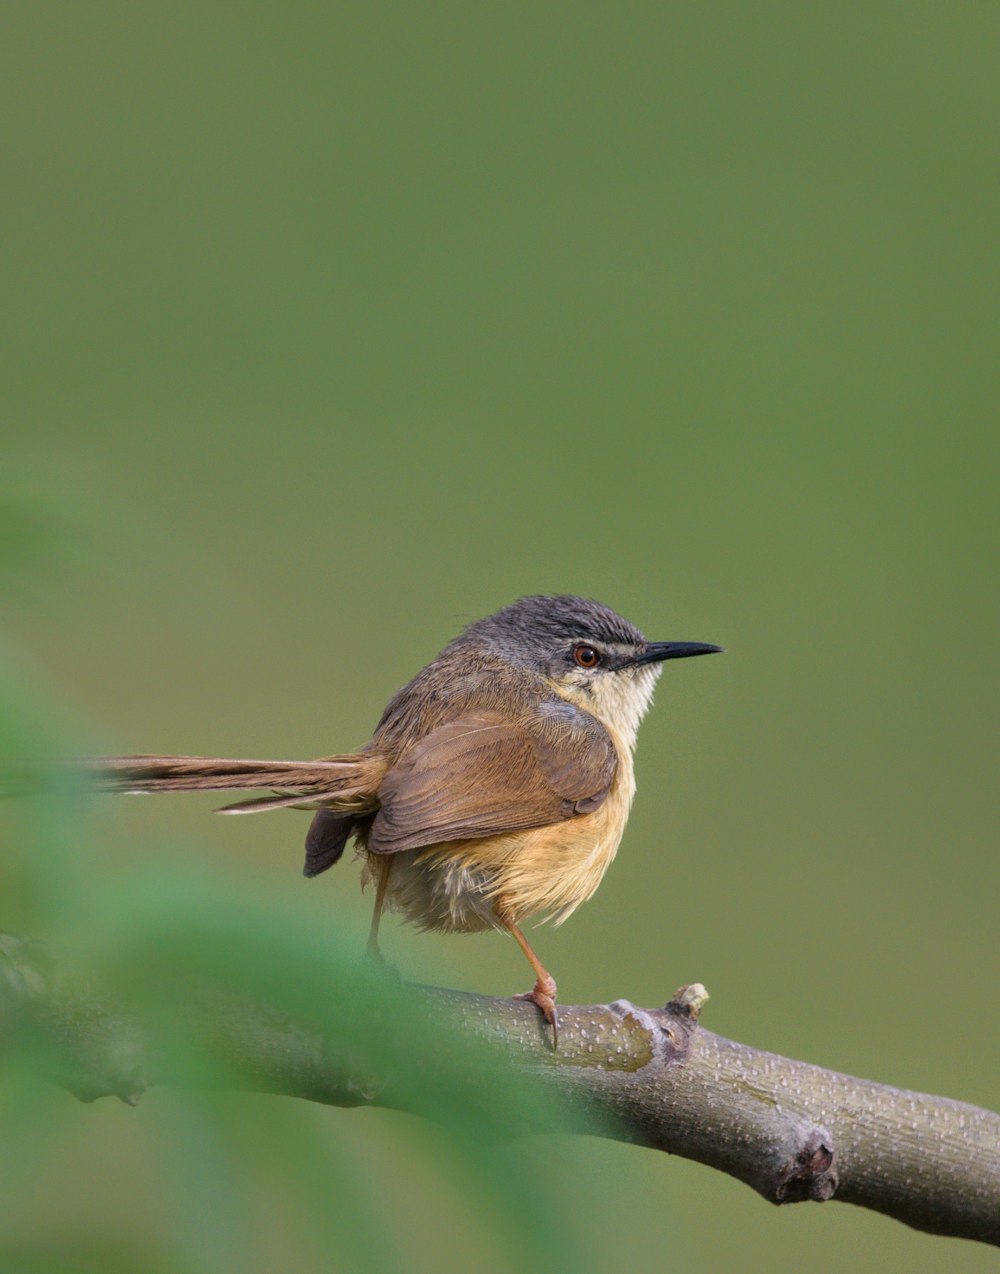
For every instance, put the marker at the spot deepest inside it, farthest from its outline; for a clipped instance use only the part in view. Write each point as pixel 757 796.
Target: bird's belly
pixel 461 886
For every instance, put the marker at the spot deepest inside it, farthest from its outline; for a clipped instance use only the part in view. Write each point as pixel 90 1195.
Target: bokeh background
pixel 329 328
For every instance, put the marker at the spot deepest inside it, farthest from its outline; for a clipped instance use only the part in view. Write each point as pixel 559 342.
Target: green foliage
pixel 168 936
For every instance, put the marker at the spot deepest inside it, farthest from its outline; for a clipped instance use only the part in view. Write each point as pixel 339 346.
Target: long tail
pixel 347 783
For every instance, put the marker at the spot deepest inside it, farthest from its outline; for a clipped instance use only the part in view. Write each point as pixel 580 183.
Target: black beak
pixel 658 650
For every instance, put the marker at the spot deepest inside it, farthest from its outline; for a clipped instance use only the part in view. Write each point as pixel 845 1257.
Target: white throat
pixel 623 699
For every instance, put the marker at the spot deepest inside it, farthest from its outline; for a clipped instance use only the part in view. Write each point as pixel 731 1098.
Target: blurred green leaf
pixel 163 936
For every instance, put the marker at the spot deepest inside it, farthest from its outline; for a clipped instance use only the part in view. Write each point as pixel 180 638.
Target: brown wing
pixel 481 775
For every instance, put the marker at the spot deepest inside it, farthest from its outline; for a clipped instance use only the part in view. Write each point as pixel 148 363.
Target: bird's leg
pixel 384 868
pixel 543 994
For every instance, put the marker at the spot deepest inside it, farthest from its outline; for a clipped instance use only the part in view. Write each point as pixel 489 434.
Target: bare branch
pixel 790 1130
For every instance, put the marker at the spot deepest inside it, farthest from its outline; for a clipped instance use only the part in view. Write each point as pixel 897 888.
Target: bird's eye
pixel 586 656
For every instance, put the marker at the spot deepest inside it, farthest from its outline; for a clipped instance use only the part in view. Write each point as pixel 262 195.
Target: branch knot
pixel 812 1174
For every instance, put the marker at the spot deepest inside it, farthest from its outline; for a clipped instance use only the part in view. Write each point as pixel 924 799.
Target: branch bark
pixel 790 1130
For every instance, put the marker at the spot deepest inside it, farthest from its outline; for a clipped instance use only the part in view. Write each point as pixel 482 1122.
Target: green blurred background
pixel 331 327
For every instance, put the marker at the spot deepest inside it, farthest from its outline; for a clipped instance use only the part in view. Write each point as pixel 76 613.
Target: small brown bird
pixel 497 784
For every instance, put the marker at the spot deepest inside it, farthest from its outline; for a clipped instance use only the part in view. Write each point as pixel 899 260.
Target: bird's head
pixel 589 654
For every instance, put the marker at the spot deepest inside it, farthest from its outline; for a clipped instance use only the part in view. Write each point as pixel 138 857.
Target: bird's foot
pixel 543 995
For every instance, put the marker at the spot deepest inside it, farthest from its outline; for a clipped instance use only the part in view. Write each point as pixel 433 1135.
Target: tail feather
pixel 351 779
pixel 328 835
pixel 342 798
pixel 259 804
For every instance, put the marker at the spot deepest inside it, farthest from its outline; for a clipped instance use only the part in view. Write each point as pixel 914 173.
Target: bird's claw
pixel 543 996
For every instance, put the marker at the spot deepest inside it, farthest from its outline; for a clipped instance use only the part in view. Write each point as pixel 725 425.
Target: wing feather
pixel 482 775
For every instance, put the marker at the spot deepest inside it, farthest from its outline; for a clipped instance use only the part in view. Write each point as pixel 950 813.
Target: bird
pixel 496 786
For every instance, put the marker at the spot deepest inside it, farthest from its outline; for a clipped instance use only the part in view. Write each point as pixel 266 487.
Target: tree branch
pixel 790 1130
